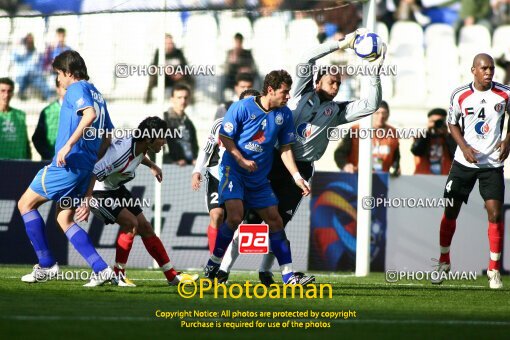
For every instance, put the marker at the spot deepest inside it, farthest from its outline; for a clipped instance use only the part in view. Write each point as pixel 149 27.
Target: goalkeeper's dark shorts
pixel 108 204
pixel 288 193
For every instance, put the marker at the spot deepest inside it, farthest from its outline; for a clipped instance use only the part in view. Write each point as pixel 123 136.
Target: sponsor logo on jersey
pixel 211 139
pixel 278 119
pixel 483 101
pixel 328 112
pixel 253 147
pixel 304 130
pixel 252 117
pixel 482 129
pixel 80 102
pixel 259 137
pixel 499 106
pixel 228 127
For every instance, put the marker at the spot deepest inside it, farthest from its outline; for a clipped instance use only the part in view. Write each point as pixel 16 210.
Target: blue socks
pixel 281 249
pixel 82 243
pixel 223 239
pixel 34 226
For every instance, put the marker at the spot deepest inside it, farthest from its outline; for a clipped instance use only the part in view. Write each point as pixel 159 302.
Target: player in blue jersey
pixel 250 130
pixel 66 179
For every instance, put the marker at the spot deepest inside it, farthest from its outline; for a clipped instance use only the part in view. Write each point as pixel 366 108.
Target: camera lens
pixel 439 124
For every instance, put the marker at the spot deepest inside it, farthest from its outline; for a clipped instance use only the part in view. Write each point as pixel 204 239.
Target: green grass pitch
pixel 409 309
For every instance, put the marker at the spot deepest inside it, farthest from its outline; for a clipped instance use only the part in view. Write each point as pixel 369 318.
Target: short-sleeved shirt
pixel 480 115
pixel 79 96
pixel 118 165
pixel 255 133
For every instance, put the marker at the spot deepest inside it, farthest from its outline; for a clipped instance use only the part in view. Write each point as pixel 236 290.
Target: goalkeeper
pixel 313 111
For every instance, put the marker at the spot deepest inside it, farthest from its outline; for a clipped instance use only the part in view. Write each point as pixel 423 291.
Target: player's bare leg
pixel 446 231
pixel 495 232
pixel 281 246
pixel 83 245
pixel 47 267
pixel 235 211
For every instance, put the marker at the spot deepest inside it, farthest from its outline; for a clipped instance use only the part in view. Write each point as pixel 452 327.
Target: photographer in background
pixel 434 152
pixel 385 151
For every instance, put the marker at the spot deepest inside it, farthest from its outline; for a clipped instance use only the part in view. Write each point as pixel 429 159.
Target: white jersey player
pixel 476 119
pixel 112 202
pixel 209 159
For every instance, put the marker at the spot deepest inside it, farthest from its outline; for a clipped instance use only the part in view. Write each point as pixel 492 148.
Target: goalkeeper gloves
pixel 348 40
pixel 380 61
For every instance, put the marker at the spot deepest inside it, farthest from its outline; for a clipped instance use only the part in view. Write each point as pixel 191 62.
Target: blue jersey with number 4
pixel 255 133
pixel 79 96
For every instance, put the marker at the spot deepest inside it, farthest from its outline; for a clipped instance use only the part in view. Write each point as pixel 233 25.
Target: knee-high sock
pixel 83 245
pixel 446 231
pixel 231 254
pixel 281 249
pixel 34 226
pixel 211 237
pixel 123 248
pixel 156 249
pixel 225 235
pixel 496 231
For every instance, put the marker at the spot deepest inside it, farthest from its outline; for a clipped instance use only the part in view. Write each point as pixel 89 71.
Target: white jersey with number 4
pixel 480 115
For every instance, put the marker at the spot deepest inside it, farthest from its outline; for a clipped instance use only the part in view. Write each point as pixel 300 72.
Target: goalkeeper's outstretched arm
pixel 367 105
pixel 304 69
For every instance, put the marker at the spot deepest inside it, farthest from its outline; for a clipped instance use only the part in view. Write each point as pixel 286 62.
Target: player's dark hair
pixel 151 126
pixel 7 81
pixel 61 30
pixel 244 76
pixel 437 111
pixel 180 87
pixel 249 92
pixel 71 62
pixel 239 36
pixel 57 83
pixel 275 79
pixel 326 69
pixel 385 106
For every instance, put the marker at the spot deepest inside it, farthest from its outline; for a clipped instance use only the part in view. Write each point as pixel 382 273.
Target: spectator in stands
pixel 476 12
pixel 239 60
pixel 244 81
pixel 174 57
pixel 500 12
pixel 45 133
pixel 28 69
pixel 184 148
pixel 386 12
pixel 13 129
pixel 346 20
pixel 385 146
pixel 504 62
pixel 441 11
pixel 55 49
pixel 434 152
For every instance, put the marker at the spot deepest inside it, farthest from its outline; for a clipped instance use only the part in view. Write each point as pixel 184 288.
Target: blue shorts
pixel 254 194
pixel 55 182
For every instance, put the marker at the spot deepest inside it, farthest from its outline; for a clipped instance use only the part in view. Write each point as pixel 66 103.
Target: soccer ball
pixel 368 46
